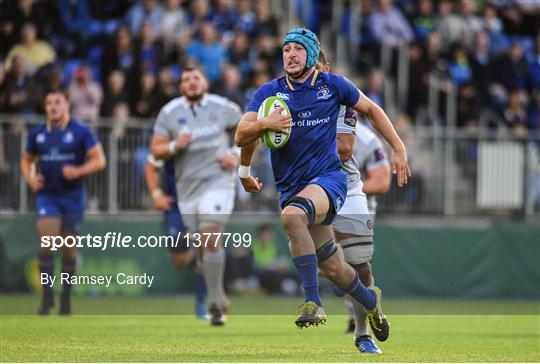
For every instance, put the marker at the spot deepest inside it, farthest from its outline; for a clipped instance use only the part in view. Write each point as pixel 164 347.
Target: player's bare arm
pixel 345 145
pixel 250 183
pixel 249 128
pixel 378 180
pixel 95 162
pixel 383 125
pixel 35 181
pixel 163 148
pixel 151 175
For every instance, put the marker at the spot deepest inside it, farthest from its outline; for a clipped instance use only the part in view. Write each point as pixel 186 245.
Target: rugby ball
pixel 273 139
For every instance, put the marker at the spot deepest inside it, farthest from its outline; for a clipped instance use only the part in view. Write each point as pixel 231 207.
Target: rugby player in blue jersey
pixel 364 162
pixel 308 172
pixel 166 201
pixel 64 150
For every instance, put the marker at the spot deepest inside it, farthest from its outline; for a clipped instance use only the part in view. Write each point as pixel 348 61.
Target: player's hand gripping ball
pixel 274 139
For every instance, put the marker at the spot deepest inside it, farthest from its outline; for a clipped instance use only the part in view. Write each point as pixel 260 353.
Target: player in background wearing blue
pixel 308 172
pixel 65 150
pixel 166 201
pixel 365 164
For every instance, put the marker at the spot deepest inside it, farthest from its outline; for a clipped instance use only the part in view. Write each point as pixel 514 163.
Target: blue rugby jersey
pixel 59 147
pixel 311 150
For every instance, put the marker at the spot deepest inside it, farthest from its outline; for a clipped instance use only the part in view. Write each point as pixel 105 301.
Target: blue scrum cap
pixel 308 40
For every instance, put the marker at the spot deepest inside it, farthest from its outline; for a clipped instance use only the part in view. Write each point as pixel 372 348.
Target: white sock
pixel 360 317
pixel 350 308
pixel 214 269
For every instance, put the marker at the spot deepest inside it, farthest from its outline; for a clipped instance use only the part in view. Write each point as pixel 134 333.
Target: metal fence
pixel 455 171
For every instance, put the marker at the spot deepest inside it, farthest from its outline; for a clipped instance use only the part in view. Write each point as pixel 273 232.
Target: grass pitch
pixel 251 337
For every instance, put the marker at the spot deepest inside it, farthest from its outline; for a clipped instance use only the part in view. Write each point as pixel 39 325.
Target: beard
pixel 295 75
pixel 194 98
pixel 298 74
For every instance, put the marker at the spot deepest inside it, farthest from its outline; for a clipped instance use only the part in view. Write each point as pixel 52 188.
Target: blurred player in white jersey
pixel 194 130
pixel 361 154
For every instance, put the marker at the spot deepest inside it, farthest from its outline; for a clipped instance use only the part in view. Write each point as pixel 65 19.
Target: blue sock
pixel 336 290
pixel 359 292
pixel 46 266
pixel 306 265
pixel 68 266
pixel 200 287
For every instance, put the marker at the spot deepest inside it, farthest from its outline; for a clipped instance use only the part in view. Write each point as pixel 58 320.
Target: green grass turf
pixel 249 338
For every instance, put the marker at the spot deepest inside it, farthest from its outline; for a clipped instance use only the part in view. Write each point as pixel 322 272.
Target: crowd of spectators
pixel 113 55
pixel 489 49
pixel 122 59
pixel 491 46
pixel 118 55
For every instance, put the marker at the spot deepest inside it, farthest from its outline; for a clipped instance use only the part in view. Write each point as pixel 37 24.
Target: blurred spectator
pixel 460 28
pixel 239 270
pixel 459 69
pixel 16 92
pixel 266 55
pixel 272 269
pixel 167 86
pixel 200 14
pixel 520 16
pixel 481 64
pixel 513 70
pixel 246 17
pixel 146 101
pixel 468 108
pixel 14 14
pixel 389 26
pixel 433 51
pixel 444 10
pixel 85 95
pixel 148 51
pixel 369 49
pixel 374 87
pixel 174 21
pixel 208 52
pixel 144 11
pixel 490 21
pixel 419 68
pixel 265 22
pixel 229 86
pixel 119 55
pixel 120 117
pixel 115 93
pixel 74 18
pixel 239 52
pixel 36 53
pixel 515 115
pixel 425 22
pixel 224 17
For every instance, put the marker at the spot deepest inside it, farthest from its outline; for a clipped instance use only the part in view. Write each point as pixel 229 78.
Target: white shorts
pixel 354 216
pixel 212 207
